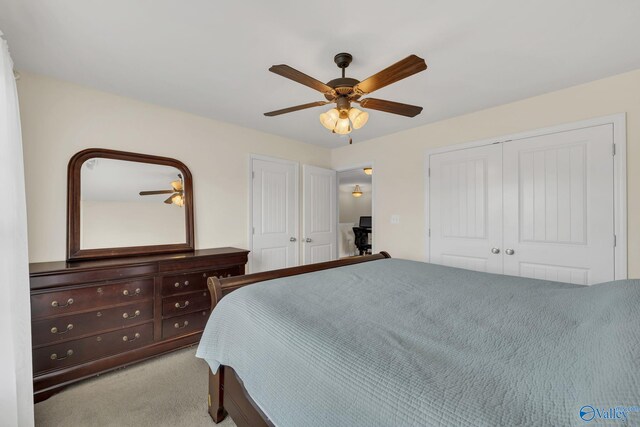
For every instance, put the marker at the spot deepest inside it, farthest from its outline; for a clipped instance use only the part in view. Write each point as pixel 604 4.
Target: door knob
pixel 495 251
pixel 509 251
pixel 292 239
pixel 308 240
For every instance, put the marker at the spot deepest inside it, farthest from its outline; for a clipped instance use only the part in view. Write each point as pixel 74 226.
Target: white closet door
pixel 320 236
pixel 465 209
pixel 558 206
pixel 275 215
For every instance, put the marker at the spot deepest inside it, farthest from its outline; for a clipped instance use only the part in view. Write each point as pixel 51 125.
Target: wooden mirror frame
pixel 74 252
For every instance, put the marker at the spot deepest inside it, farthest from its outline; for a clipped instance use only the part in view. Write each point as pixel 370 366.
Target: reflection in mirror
pixel 126 203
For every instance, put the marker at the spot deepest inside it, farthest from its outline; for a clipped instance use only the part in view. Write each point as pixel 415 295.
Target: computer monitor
pixel 365 222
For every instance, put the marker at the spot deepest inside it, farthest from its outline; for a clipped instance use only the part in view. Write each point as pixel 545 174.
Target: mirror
pixel 128 204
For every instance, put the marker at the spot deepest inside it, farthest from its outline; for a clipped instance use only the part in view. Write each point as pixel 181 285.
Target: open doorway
pixel 355 211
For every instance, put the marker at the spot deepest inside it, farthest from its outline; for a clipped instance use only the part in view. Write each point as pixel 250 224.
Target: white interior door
pixel 319 213
pixel 465 208
pixel 559 207
pixel 274 215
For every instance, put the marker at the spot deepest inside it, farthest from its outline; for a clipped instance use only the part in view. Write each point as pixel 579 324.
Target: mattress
pixel 404 343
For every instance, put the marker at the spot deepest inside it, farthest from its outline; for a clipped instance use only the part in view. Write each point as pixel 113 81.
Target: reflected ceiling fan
pixel 344 91
pixel 177 192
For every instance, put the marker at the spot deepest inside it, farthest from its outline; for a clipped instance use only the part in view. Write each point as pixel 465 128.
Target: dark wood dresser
pixel 90 317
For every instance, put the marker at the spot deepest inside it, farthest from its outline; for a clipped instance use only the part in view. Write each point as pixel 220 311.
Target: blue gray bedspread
pixel 403 343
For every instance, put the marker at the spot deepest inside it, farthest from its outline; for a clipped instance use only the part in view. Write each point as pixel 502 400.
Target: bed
pixel 375 341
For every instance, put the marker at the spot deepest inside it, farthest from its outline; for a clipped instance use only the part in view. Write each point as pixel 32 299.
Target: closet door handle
pixel 292 239
pixel 495 251
pixel 308 240
pixel 509 251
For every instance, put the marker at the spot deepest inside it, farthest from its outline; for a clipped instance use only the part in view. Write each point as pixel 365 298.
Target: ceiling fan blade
pixel 409 66
pixel 151 193
pixel 169 200
pixel 296 108
pixel 391 107
pixel 300 77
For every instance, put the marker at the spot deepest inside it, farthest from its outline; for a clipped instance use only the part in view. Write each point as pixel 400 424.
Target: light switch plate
pixel 395 219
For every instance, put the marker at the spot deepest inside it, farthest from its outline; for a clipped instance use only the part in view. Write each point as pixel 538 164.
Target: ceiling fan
pixel 344 91
pixel 177 192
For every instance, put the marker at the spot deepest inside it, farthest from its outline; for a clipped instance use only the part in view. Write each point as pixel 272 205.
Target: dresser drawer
pixel 172 285
pixel 186 303
pixel 68 301
pixel 182 325
pixel 71 326
pixel 73 352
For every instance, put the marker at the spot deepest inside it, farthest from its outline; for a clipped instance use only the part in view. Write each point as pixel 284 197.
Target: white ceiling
pixel 212 57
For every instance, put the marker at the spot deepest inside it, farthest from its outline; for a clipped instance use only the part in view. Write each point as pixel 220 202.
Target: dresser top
pixel 39 268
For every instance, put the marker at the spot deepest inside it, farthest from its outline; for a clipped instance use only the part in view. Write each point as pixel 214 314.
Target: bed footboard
pixel 221 287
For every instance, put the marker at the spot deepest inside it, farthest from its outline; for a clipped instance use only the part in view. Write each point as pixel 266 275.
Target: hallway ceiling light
pixel 368 171
pixel 357 192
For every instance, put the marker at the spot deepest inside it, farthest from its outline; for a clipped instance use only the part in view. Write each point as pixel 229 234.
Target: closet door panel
pixel 466 208
pixel 558 206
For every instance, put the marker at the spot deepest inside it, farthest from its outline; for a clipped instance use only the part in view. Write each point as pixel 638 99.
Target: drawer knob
pixel 57 304
pixel 54 330
pixel 54 356
pixel 184 325
pixel 186 303
pixel 135 337
pixel 177 284
pixel 127 316
pixel 204 274
pixel 126 293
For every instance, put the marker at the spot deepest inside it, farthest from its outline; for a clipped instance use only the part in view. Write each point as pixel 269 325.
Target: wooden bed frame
pixel 227 394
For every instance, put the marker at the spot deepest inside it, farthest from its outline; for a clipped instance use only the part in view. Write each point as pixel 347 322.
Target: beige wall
pixel 109 224
pixel 352 208
pixel 399 159
pixel 60 119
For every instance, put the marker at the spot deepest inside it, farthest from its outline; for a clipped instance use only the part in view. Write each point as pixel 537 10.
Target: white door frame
pixel 619 122
pixel 373 198
pixel 253 157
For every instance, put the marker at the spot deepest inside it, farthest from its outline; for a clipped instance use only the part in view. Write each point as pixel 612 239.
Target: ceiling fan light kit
pixel 344 91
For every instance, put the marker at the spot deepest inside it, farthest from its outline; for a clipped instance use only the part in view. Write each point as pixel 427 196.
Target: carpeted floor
pixel 169 390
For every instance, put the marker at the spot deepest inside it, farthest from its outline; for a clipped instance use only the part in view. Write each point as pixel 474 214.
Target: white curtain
pixel 16 390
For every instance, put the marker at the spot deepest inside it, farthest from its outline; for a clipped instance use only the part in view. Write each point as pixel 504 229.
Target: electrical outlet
pixel 395 219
